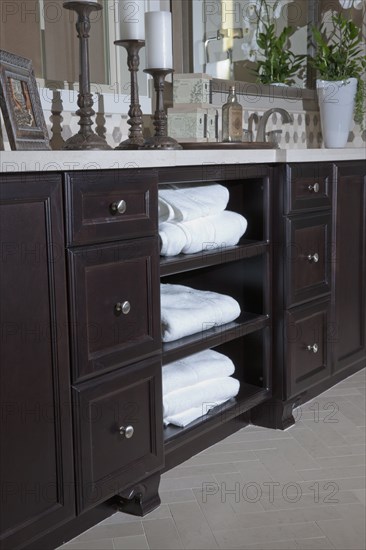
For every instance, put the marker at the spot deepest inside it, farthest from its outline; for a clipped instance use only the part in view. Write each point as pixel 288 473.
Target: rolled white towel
pixel 200 395
pixel 196 368
pixel 172 239
pixel 165 211
pixel 186 311
pixel 186 417
pixel 209 233
pixel 183 203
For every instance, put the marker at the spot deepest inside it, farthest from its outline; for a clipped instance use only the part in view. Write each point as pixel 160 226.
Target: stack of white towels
pixel 186 311
pixel 194 385
pixel 193 219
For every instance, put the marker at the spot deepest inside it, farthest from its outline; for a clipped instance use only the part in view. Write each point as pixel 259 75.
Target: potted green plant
pixel 278 64
pixel 340 62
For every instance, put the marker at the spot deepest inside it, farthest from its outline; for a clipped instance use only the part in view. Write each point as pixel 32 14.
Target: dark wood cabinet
pixel 114 296
pixel 63 464
pixel 81 392
pixel 36 457
pixel 320 283
pixel 349 266
pixel 307 191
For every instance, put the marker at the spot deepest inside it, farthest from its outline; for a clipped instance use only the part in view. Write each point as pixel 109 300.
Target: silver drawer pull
pixel 314 348
pixel 126 432
pixel 314 258
pixel 314 188
pixel 119 207
pixel 124 307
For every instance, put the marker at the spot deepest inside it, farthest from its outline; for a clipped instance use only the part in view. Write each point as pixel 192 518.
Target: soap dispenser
pixel 232 118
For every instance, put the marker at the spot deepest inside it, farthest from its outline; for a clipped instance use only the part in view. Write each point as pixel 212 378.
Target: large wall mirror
pixel 216 35
pixel 209 36
pixel 43 31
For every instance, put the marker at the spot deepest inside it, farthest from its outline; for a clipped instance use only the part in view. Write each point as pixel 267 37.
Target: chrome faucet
pixel 261 132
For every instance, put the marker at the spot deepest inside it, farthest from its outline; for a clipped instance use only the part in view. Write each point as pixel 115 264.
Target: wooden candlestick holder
pixel 160 140
pixel 136 138
pixel 86 138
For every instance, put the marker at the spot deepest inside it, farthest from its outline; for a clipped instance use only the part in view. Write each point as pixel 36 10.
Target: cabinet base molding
pixel 141 499
pixel 278 415
pixel 275 414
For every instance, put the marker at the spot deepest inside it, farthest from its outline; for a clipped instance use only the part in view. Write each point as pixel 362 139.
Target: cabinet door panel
pixel 119 426
pixel 307 337
pixel 309 257
pixel 106 280
pixel 36 455
pixel 309 186
pixel 350 267
pixel 111 205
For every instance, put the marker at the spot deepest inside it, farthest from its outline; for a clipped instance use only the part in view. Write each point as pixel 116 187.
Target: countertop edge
pixel 60 161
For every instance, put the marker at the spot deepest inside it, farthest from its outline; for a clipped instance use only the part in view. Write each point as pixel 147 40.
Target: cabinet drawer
pixel 115 304
pixel 308 186
pixel 307 335
pixel 111 205
pixel 119 431
pixel 308 257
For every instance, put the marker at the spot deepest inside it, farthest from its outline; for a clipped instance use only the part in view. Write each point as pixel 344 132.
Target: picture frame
pixel 21 105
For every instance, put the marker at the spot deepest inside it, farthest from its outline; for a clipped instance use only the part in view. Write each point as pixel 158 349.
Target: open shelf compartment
pixel 250 354
pixel 187 262
pixel 249 397
pixel 246 324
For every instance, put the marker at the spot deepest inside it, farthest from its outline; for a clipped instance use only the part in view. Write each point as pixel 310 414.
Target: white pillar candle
pixel 131 15
pixel 159 48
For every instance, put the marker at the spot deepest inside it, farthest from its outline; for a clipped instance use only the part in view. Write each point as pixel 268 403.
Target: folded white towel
pixel 183 203
pixel 200 395
pixel 196 368
pixel 209 233
pixel 186 417
pixel 185 310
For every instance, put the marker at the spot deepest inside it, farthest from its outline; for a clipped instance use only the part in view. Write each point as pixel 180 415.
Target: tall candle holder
pixel 160 140
pixel 86 138
pixel 136 138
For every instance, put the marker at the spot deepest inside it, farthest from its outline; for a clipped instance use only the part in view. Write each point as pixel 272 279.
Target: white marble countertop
pixel 47 161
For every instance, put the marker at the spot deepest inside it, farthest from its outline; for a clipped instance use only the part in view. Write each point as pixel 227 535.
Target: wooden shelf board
pixel 187 262
pixel 249 397
pixel 246 324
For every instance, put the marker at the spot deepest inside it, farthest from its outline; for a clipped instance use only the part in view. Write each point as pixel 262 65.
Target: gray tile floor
pixel 262 489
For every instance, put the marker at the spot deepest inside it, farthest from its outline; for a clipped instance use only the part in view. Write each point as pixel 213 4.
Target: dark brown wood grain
pixel 349 267
pixel 101 277
pixel 36 457
pixel 108 462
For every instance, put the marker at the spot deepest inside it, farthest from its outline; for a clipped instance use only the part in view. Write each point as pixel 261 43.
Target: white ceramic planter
pixel 336 103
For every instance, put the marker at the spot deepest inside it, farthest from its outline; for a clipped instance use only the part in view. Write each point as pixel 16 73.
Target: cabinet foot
pixel 275 414
pixel 142 498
